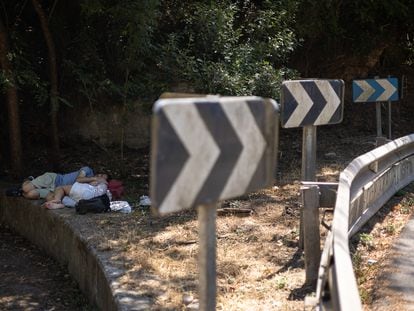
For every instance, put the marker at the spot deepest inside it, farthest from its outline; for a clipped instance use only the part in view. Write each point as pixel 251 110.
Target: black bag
pixel 14 191
pixel 99 204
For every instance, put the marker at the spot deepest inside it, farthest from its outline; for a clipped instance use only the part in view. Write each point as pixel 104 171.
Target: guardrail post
pixel 207 256
pixel 311 233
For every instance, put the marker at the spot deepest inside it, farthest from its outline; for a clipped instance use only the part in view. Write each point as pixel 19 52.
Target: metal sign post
pixel 209 149
pixel 389 115
pixel 389 120
pixel 378 118
pixel 207 256
pixel 309 153
pixel 308 104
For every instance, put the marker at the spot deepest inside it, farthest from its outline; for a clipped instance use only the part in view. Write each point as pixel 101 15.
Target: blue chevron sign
pixel 212 148
pixel 375 90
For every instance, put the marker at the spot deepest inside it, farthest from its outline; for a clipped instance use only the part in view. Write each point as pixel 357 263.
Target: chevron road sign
pixel 210 149
pixel 375 90
pixel 311 102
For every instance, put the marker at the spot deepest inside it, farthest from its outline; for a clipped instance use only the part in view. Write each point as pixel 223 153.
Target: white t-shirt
pixel 82 191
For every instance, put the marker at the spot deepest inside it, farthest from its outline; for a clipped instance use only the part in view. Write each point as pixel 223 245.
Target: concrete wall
pixel 106 125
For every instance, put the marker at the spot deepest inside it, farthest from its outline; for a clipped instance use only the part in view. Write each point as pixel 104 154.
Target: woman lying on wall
pixel 43 186
pixel 69 195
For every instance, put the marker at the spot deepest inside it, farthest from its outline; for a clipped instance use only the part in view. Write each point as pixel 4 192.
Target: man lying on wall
pixel 43 186
pixel 70 195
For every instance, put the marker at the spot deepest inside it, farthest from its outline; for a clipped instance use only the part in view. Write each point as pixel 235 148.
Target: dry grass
pixel 373 251
pixel 259 264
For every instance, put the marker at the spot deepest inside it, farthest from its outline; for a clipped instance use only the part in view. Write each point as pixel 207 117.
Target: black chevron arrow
pixel 230 148
pixel 170 151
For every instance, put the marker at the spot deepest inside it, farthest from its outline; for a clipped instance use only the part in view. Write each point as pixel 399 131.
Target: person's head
pixel 101 175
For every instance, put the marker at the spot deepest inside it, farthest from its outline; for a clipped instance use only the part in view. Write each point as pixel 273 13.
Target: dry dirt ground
pixel 373 253
pixel 32 281
pixel 259 264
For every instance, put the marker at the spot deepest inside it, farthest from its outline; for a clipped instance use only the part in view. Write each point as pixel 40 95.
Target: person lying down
pixel 69 195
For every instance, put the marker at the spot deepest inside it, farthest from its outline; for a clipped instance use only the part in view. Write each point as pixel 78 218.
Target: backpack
pixel 99 204
pixel 116 188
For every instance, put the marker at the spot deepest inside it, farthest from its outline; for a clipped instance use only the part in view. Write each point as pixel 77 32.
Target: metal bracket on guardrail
pixel 327 192
pixel 314 195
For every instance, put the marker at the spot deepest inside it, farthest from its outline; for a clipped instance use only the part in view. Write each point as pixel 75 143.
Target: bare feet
pixel 53 205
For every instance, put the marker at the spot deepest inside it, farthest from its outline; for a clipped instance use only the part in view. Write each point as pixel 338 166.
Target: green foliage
pixel 137 49
pixel 367 240
pixel 112 48
pixel 229 48
pixel 281 282
pixel 26 71
pixel 340 26
pixel 127 50
pixel 409 49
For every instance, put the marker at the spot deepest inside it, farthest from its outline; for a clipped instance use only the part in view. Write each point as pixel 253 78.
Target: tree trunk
pixel 54 103
pixel 12 105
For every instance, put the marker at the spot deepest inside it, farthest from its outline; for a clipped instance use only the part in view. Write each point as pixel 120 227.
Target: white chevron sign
pixel 210 149
pixel 375 90
pixel 311 102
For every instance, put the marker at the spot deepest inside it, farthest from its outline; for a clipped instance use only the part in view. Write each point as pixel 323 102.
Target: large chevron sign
pixel 375 90
pixel 311 102
pixel 210 149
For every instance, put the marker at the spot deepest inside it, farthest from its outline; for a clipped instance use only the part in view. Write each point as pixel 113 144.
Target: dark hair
pixel 109 177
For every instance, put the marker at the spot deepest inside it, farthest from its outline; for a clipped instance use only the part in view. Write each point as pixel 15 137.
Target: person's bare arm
pixel 92 180
pixel 86 180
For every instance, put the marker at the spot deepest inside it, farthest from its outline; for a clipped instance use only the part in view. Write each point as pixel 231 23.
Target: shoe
pixel 14 192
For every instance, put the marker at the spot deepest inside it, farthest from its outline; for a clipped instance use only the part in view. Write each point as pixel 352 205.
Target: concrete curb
pixel 54 231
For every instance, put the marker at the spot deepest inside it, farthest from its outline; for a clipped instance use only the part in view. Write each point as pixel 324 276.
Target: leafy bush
pixel 230 48
pixel 113 49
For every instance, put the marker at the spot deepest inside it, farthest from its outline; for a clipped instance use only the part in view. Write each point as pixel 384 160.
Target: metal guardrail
pixel 365 185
